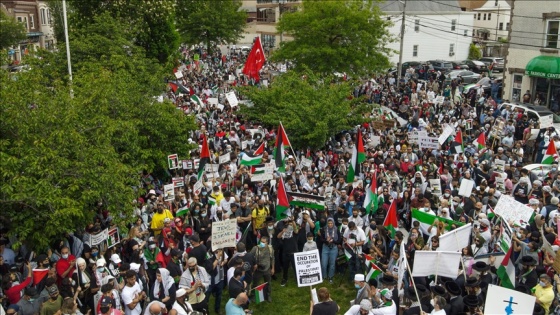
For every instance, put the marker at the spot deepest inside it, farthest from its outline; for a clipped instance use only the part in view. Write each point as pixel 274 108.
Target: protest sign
pixel 187 164
pixel 500 184
pixel 197 188
pixel 223 159
pixel 500 165
pixel 427 142
pixel 435 184
pixel 375 141
pixel 308 268
pixel 178 74
pixel 173 161
pixel 96 239
pixel 178 182
pixel 505 236
pixel 232 99
pixel 455 240
pixel 196 164
pixel 210 168
pixel 328 191
pixel 244 145
pixel 305 162
pixel 223 234
pixel 443 264
pixel 468 124
pixel 447 131
pixel 510 209
pixel 168 192
pixel 534 134
pixel 439 100
pixel 466 187
pixel 414 136
pixel 213 101
pixel 546 121
pixel 261 177
pixel 500 300
pixel 113 237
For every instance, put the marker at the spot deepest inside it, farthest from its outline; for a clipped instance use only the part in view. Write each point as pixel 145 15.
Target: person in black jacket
pixel 455 304
pixel 174 265
pixel 237 284
pixel 416 307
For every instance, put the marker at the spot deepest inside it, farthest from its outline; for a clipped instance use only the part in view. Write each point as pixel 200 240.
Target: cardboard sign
pixel 466 188
pixel 168 192
pixel 173 161
pixel 223 159
pixel 443 264
pixel 187 164
pixel 96 239
pixel 435 184
pixel 546 121
pixel 113 237
pixel 308 268
pixel 510 209
pixel 305 162
pixel 500 300
pixel 500 165
pixel 261 177
pixel 232 99
pixel 178 182
pixel 223 234
pixel 178 74
pixel 414 136
pixel 447 131
pixel 213 101
pixel 431 143
pixel 455 240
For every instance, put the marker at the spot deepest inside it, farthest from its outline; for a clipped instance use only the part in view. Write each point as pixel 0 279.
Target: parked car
pixel 459 65
pixel 468 76
pixel 441 65
pixel 497 61
pixel 475 65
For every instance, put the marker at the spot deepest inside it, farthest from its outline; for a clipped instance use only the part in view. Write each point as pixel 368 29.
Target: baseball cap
pixel 116 259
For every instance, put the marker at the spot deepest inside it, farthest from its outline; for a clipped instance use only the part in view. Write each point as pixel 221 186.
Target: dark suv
pixel 441 65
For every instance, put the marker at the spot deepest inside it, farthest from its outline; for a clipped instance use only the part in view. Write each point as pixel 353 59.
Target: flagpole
pixel 462 262
pixel 412 278
pixel 291 148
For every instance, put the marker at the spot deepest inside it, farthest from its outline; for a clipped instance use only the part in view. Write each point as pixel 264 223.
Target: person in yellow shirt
pixel 160 215
pixel 259 214
pixel 544 292
pixel 217 195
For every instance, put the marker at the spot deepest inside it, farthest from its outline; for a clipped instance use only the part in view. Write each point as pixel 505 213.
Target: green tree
pixel 310 107
pixel 72 152
pixel 11 32
pixel 336 36
pixel 474 52
pixel 210 21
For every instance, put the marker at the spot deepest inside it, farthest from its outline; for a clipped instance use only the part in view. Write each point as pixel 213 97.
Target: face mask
pixel 204 193
pixel 196 211
pixel 344 226
pixel 152 247
pixel 105 309
pixel 414 235
pixel 352 203
pixel 192 269
pixel 203 215
pixel 31 300
pixel 316 175
pixel 310 240
pixel 94 254
pixel 270 228
pixel 357 286
pixel 368 181
pixel 446 195
pixel 262 245
pixel 455 203
pixel 100 269
pixel 542 284
pixel 65 256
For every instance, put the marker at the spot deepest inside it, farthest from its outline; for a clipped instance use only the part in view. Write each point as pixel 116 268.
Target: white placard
pixel 220 106
pixel 500 165
pixel 466 187
pixel 512 210
pixel 428 143
pixel 283 68
pixel 443 264
pixel 435 185
pixel 546 121
pixel 455 240
pixel 178 182
pixel 534 134
pixel 243 145
pixel 447 131
pixel 209 168
pixel 168 192
pixel 231 77
pixel 225 158
pixel 232 99
pixel 500 184
pixel 197 188
pixel 261 177
pixel 99 238
pixel 178 74
pixel 213 101
pixel 414 136
pixel 211 175
pixel 223 234
pixel 305 162
pixel 375 141
pixel 500 300
pixel 308 268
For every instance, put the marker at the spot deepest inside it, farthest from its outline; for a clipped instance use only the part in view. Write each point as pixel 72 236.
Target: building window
pixel 266 15
pixel 516 87
pixel 552 34
pixel 43 15
pixel 496 3
pixel 49 19
pixel 501 26
pixel 451 49
pixel 453 24
pixel 479 16
pixel 489 16
pixel 484 17
pixel 415 51
pixel 466 33
pixel 416 25
pixel 31 21
pixel 268 40
pixel 23 20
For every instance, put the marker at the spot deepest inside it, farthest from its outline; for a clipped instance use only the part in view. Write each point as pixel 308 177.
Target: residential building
pixel 491 24
pixel 268 15
pixel 47 40
pixel 434 30
pixel 533 60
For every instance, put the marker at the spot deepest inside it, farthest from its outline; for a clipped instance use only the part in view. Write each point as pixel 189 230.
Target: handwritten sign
pixel 223 159
pixel 210 168
pixel 232 99
pixel 96 239
pixel 197 188
pixel 223 234
pixel 546 121
pixel 510 209
pixel 168 192
pixel 308 268
pixel 305 162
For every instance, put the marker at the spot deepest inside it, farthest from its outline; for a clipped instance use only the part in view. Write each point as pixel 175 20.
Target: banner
pixel 173 161
pixel 443 264
pixel 168 192
pixel 223 234
pixel 546 121
pixel 308 268
pixel 455 240
pixel 305 162
pixel 98 238
pixel 414 136
pixel 510 209
pixel 223 159
pixel 113 237
pixel 500 300
pixel 307 201
pixel 261 177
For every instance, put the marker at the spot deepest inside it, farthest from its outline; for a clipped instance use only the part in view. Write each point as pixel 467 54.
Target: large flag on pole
pixel 255 60
pixel 370 202
pixel 358 157
pixel 457 144
pixel 278 153
pixel 255 158
pixel 480 142
pixel 551 153
pixel 506 271
pixel 282 203
pixel 204 157
pixel 391 222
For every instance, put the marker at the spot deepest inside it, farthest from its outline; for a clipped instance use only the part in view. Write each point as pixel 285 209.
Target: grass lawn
pixel 291 300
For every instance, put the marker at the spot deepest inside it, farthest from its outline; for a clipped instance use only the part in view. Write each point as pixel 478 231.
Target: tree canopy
pixel 336 36
pixel 11 32
pixel 210 21
pixel 61 155
pixel 310 107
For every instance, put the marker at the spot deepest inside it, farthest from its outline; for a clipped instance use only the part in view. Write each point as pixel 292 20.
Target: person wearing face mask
pixel 205 229
pixel 195 280
pixel 151 257
pixel 54 303
pixel 439 304
pixel 29 305
pixel 161 214
pixel 310 244
pixel 66 264
pixel 363 289
pixel 264 266
pixel 544 292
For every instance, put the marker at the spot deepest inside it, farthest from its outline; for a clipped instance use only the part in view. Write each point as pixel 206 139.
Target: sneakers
pixel 283 282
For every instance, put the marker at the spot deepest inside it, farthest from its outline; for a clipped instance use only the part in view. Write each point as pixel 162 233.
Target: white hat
pixel 359 277
pixel 100 262
pixel 180 292
pixel 115 258
pixel 134 267
pixel 153 192
pixel 534 201
pixel 365 305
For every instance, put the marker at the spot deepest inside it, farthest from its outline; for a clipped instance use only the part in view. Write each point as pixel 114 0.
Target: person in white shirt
pixel 439 303
pixel 132 295
pixel 388 307
pixel 181 307
pixel 355 237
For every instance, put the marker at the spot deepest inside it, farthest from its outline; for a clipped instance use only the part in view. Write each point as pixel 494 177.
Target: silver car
pixel 468 76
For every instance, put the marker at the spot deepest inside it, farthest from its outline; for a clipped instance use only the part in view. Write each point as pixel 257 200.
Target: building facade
pixel 268 15
pixel 533 59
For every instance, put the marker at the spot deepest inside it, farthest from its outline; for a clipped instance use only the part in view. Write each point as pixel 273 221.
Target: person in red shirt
pixel 65 265
pixel 13 292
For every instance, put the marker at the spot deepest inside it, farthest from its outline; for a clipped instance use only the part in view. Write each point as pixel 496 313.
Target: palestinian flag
pixel 204 157
pixel 211 200
pixel 551 154
pixel 371 202
pixel 182 211
pixel 374 272
pixel 307 201
pixel 278 153
pixel 426 218
pixel 259 293
pixel 457 144
pixel 255 158
pixel 348 250
pixel 358 157
pixel 196 100
pixel 173 87
pixel 258 169
pixel 368 260
pixel 480 142
pixel 391 222
pixel 282 203
pixel 39 275
pixel 506 271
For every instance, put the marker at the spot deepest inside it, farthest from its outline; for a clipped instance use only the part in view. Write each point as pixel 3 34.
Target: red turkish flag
pixel 255 60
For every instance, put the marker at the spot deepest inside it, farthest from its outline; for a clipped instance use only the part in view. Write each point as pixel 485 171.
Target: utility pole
pixel 399 68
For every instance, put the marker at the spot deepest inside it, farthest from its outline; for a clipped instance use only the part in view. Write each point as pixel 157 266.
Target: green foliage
pixel 336 36
pixel 210 21
pixel 60 155
pixel 11 32
pixel 311 108
pixel 474 52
